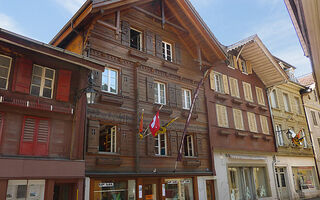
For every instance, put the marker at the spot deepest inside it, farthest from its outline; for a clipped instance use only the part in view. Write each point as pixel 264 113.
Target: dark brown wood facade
pixel 41 139
pixel 106 37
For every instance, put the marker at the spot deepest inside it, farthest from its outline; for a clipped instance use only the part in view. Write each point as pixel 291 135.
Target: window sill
pixel 237 101
pixel 268 137
pixel 138 54
pixel 251 105
pixel 109 161
pixel 242 134
pixel 185 113
pixel 221 96
pixel 192 163
pixel 165 109
pixel 263 108
pixel 111 98
pixel 225 132
pixel 256 136
pixel 170 65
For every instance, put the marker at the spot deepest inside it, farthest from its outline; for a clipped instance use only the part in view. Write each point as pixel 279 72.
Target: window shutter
pixel 247 91
pixel 239 64
pixel 159 46
pixel 172 94
pixel 23 74
pixel 212 82
pixel 183 97
pixel 42 142
pixel 178 96
pixel 149 43
pixel 150 89
pixel 196 107
pixel 252 122
pixel 260 96
pixel 178 53
pixel 27 136
pixel 125 86
pixel 238 120
pixel 248 63
pixel 235 62
pixel 125 35
pixel 225 84
pixel 264 124
pixel 93 136
pixel 234 87
pixel 197 146
pixel 222 117
pixel 63 88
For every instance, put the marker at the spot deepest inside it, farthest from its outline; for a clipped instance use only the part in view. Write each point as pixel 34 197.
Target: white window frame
pixel 165 55
pixel 158 99
pixel 305 143
pixel 279 135
pixel 43 78
pixel 113 142
pixel 286 101
pixel 107 69
pixel 158 144
pixel 9 69
pixel 140 47
pixel 218 82
pixel 189 137
pixel 274 100
pixel 185 99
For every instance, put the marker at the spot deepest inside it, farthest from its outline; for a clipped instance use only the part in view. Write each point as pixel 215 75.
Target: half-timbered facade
pixel 41 134
pixel 241 133
pixel 156 53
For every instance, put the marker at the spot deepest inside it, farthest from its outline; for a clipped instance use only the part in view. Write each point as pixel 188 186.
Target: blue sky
pixel 229 20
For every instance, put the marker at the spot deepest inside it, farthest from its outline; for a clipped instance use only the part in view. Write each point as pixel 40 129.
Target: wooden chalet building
pixel 156 52
pixel 41 129
pixel 240 125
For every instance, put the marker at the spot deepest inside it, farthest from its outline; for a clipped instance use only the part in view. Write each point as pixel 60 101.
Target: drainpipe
pixel 302 92
pixel 274 157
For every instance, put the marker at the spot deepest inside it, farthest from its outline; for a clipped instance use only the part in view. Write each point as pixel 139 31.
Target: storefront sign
pixel 186 181
pixel 171 182
pixel 140 191
pixel 106 185
pixel 163 190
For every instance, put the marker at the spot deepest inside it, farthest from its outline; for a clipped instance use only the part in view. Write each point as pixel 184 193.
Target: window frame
pixel 9 70
pixel 218 82
pixel 274 93
pixel 278 128
pixel 244 84
pixel 298 105
pixel 185 98
pixel 305 143
pixel 187 144
pixel 158 145
pixel 117 80
pixel 140 38
pixel 286 100
pixel 314 118
pixel 42 83
pixel 165 55
pixel 113 148
pixel 244 67
pixel 158 100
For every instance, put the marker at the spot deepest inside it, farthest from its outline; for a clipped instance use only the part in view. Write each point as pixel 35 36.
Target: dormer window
pixel 135 39
pixel 244 67
pixel 167 51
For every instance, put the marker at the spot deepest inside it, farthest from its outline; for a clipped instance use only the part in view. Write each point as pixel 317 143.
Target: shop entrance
pixel 63 191
pixel 150 189
pixel 282 183
pixel 210 190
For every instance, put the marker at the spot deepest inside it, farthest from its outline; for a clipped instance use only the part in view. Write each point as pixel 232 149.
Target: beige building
pixel 295 168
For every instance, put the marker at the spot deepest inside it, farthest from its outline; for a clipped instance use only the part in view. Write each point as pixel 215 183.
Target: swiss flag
pixel 154 126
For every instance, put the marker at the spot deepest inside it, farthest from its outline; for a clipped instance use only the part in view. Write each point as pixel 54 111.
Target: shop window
pixel 186 99
pixel 222 116
pixel 113 189
pixel 160 93
pixel 286 102
pixel 274 99
pixel 314 118
pixel 304 178
pixel 42 81
pixel 247 91
pixel 5 66
pixel 161 144
pixel 25 189
pixel 181 189
pixel 248 183
pixel 35 136
pixel 108 138
pixel 188 146
pixel 279 134
pixel 135 39
pixel 110 81
pixel 167 51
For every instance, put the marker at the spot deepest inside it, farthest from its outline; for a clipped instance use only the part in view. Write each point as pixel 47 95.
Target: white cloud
pixel 71 5
pixel 9 24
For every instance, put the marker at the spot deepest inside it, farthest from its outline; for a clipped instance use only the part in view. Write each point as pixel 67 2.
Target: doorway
pixel 282 185
pixel 210 189
pixel 63 191
pixel 150 189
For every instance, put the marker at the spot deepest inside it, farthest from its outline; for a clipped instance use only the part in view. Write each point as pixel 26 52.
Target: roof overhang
pixel 49 50
pixel 262 61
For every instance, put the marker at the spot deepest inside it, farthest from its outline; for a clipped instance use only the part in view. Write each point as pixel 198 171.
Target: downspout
pixel 276 144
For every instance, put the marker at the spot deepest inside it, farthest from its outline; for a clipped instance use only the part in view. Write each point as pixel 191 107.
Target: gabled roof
pixel 263 62
pixel 306 80
pixel 193 21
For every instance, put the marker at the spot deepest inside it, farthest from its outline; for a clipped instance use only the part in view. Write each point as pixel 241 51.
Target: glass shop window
pixel 108 138
pixel 25 189
pixel 304 178
pixel 114 190
pixel 181 189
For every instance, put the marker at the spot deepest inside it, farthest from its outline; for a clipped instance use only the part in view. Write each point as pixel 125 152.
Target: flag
pixel 154 126
pixel 141 125
pixel 163 129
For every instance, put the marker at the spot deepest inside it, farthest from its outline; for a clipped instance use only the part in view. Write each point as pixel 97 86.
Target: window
pixel 264 124
pixel 186 99
pixel 113 189
pixel 274 99
pixel 110 81
pixel 244 67
pixel 167 51
pixel 238 119
pixel 279 134
pixel 305 143
pixel 181 189
pixel 108 138
pixel 234 87
pixel 230 58
pixel 304 178
pixel 42 81
pixel 247 91
pixel 222 116
pixel 5 66
pixel 314 118
pixel 160 93
pixel 298 106
pixel 135 39
pixel 248 182
pixel 35 136
pixel 260 96
pixel 25 189
pixel 161 144
pixel 286 102
pixel 188 146
pixel 252 122
pixel 218 82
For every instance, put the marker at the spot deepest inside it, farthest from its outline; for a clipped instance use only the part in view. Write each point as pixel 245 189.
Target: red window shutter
pixel 23 74
pixel 27 136
pixel 63 89
pixel 42 141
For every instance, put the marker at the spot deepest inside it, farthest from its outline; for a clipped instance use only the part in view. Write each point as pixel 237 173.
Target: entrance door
pixel 150 189
pixel 63 192
pixel 210 190
pixel 282 183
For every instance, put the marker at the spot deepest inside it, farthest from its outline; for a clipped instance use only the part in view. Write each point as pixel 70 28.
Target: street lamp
pixel 89 91
pixel 91 95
